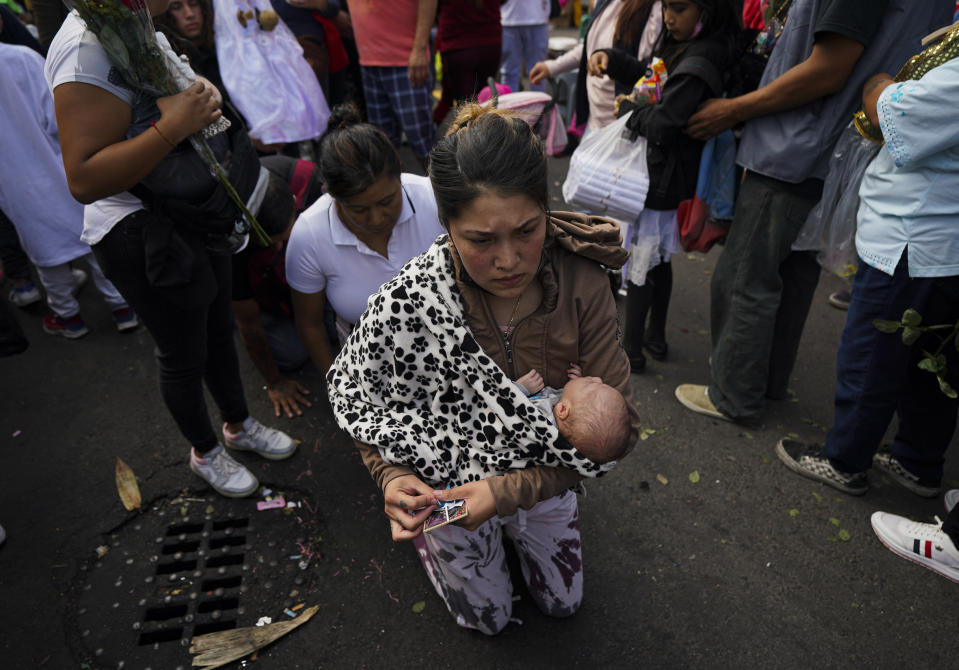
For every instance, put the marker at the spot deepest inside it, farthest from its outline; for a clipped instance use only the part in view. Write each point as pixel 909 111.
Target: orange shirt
pixel 384 31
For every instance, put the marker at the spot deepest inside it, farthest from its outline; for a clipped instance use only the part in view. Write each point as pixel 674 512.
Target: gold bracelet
pixel 165 138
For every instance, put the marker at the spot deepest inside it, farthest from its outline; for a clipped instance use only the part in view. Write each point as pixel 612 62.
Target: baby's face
pixel 578 390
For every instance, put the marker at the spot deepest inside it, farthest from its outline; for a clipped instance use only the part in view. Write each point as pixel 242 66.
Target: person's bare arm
pixel 285 394
pixel 825 72
pixel 308 308
pixel 420 54
pixel 871 91
pixel 98 160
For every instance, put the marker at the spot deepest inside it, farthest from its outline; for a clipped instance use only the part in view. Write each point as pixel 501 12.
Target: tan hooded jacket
pixel 575 323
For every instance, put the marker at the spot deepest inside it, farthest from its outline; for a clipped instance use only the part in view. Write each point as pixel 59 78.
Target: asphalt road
pixel 743 568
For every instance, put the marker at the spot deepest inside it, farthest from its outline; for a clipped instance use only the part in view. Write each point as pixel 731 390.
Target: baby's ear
pixel 561 410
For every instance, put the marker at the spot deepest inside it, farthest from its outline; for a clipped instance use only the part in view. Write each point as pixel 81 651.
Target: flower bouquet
pixel 125 30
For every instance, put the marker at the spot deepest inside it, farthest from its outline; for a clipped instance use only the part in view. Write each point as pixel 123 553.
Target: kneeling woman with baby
pixel 425 384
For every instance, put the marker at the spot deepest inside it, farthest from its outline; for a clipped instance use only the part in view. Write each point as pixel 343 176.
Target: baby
pixel 590 414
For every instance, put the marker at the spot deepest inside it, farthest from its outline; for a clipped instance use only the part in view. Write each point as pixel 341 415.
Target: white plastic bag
pixel 608 174
pixel 830 228
pixel 266 75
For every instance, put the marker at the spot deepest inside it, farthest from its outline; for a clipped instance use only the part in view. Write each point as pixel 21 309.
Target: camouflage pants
pixel 468 568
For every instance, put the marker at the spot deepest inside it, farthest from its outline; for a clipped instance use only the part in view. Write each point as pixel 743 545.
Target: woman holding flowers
pixel 166 247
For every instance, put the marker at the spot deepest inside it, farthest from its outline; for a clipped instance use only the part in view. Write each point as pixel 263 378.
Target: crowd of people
pixel 467 332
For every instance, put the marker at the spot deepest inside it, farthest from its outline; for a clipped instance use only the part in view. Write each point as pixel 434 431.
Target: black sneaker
pixel 810 461
pixel 890 466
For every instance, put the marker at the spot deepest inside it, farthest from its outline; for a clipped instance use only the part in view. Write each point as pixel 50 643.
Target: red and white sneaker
pixel 72 328
pixel 125 319
pixel 922 543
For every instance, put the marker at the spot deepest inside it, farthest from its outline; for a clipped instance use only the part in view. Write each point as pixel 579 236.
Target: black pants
pixel 192 326
pixel 760 294
pixel 14 260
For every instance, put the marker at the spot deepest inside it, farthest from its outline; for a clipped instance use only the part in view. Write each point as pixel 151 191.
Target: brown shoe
pixel 695 397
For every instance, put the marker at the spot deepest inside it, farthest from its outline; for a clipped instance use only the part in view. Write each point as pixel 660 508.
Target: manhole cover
pixel 193 565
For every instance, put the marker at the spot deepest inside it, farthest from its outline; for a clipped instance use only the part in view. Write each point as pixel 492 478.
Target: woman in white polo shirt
pixel 372 220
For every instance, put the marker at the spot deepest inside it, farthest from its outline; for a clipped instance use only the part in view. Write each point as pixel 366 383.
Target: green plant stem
pixel 204 150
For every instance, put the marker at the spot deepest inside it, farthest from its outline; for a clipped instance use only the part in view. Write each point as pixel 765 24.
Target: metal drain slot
pixel 165 612
pixel 229 523
pixel 213 627
pixel 181 528
pixel 176 572
pixel 229 541
pixel 178 566
pixel 165 635
pixel 181 547
pixel 224 583
pixel 221 561
pixel 218 604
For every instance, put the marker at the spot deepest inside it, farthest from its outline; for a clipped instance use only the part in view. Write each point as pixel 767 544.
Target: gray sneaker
pixel 225 475
pixel 267 442
pixel 890 466
pixel 3 535
pixel 809 461
pixel 951 498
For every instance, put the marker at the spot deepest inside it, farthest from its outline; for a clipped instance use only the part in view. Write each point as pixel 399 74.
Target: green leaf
pixel 834 521
pixel 694 476
pixel 946 388
pixel 844 535
pixel 910 335
pixel 911 317
pixel 885 326
pixel 419 606
pixel 748 435
pixel 794 512
pixel 817 497
pixel 929 365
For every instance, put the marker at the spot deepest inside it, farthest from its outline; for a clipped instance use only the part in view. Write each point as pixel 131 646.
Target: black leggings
pixel 192 326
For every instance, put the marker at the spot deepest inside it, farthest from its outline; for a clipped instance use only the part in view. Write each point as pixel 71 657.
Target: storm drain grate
pixel 187 567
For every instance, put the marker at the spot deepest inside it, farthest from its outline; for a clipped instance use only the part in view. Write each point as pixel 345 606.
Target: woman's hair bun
pixel 472 111
pixel 343 115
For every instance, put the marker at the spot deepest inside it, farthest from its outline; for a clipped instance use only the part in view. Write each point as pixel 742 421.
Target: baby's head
pixel 593 416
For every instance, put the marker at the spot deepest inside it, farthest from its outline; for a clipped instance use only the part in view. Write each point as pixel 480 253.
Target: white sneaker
pixel 25 294
pixel 267 442
pixel 225 475
pixel 951 498
pixel 922 543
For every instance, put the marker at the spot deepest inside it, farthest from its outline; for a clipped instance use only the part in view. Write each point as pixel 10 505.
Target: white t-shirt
pixel 75 55
pixel 525 12
pixel 323 255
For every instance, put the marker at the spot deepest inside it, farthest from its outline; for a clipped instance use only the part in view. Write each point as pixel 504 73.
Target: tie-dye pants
pixel 468 568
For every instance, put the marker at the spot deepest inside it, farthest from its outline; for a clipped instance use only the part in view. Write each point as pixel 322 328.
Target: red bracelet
pixel 153 124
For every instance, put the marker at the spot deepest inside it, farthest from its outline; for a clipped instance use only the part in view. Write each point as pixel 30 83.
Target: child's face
pixel 680 18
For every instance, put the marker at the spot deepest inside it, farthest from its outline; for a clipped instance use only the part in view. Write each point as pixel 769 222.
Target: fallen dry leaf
pixel 127 486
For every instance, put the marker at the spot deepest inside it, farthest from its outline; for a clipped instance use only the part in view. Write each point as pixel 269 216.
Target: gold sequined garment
pixel 944 49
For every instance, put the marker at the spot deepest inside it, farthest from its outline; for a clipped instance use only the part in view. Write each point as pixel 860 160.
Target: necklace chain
pixel 508 330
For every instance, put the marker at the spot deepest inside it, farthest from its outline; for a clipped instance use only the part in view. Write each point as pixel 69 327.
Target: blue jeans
pixel 287 348
pixel 522 45
pixel 877 375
